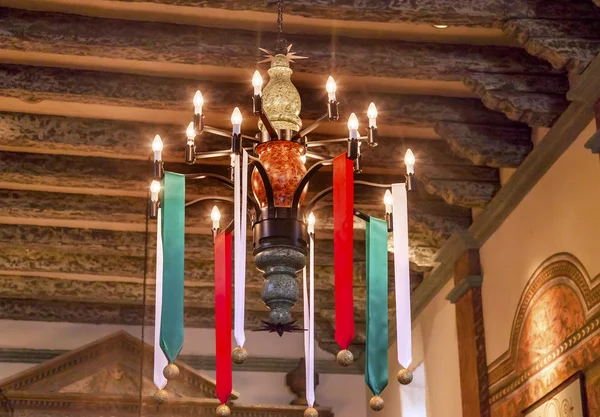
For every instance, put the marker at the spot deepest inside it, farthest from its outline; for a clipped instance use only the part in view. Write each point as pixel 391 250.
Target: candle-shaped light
pixel 215 216
pixel 331 88
pixel 388 201
pixel 353 126
pixel 236 121
pixel 311 223
pixel 372 115
pixel 157 147
pixel 190 133
pixel 198 102
pixel 154 190
pixel 303 159
pixel 257 83
pixel 409 160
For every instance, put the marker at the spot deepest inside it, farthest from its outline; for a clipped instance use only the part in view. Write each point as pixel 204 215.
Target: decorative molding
pixel 198 362
pixel 524 373
pixel 460 289
pixel 594 143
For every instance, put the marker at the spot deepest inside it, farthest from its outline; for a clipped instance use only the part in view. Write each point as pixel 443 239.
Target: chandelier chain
pixel 281 42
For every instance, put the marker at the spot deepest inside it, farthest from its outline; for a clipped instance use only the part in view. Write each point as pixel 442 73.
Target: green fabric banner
pixel 173 237
pixel 376 363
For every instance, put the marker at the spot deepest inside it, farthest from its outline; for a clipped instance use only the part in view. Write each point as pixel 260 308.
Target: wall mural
pixel 565 401
pixel 555 335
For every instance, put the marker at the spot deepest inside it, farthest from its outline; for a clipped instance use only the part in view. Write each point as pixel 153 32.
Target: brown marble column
pixel 466 295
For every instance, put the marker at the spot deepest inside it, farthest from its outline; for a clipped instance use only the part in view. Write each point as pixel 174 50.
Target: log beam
pixel 81 36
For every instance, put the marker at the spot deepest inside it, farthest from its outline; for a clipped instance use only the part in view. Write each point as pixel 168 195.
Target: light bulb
pixel 154 190
pixel 157 144
pixel 353 126
pixel 440 26
pixel 198 102
pixel 311 222
pixel 303 159
pixel 236 120
pixel 215 216
pixel 257 82
pixel 157 147
pixel 372 115
pixel 372 111
pixel 409 160
pixel 388 201
pixel 190 132
pixel 331 88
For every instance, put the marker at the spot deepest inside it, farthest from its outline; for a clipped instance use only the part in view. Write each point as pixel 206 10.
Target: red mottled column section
pixel 282 161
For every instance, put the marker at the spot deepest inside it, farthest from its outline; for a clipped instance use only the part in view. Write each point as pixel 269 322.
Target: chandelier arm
pixel 361 215
pixel 310 128
pixel 253 203
pixel 227 134
pixel 313 155
pixel 268 125
pixel 312 203
pixel 216 154
pixel 266 182
pixel 222 180
pixel 300 187
pixel 326 142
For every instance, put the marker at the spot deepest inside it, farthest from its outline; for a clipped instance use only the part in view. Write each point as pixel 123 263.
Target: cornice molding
pixel 472 281
pixel 198 362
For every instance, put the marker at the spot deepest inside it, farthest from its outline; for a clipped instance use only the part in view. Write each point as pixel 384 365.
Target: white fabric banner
pixel 240 203
pixel 160 360
pixel 308 295
pixel 402 274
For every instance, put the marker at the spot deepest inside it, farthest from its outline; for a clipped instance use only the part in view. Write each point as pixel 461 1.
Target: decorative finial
pixel 376 403
pixel 345 357
pixel 311 412
pixel 171 371
pixel 161 396
pixel 223 411
pixel 239 355
pixel 404 376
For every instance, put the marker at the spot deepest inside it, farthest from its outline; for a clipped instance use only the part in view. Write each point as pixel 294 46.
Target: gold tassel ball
pixel 171 371
pixel 311 412
pixel 161 396
pixel 376 403
pixel 345 357
pixel 223 411
pixel 404 376
pixel 239 355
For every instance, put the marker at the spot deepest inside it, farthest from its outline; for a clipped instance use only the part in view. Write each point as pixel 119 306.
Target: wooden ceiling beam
pixel 72 35
pixel 488 145
pixel 172 97
pixel 535 101
pixel 566 44
pixel 449 12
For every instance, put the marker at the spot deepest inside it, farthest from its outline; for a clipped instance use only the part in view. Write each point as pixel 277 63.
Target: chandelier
pixel 283 233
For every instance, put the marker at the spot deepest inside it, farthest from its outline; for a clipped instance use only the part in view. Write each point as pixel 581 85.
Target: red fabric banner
pixel 343 237
pixel 223 315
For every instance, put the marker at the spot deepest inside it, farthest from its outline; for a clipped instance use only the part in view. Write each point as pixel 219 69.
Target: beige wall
pixel 560 214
